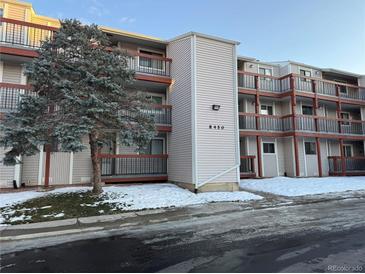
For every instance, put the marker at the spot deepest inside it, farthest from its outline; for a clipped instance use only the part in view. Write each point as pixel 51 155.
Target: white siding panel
pixel 180 139
pixel 215 85
pixel 12 73
pixel 6 172
pixel 30 169
pixel 82 169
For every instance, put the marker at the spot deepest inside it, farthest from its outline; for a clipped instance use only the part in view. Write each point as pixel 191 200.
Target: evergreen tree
pixel 79 89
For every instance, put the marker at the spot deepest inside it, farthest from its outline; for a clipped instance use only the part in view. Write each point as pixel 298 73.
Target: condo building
pixel 220 117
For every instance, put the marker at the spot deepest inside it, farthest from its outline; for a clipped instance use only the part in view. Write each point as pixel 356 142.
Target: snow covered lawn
pixel 32 206
pixel 304 186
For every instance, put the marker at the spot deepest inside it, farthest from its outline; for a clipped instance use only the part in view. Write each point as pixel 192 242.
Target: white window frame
pixel 315 148
pixel 153 51
pixel 268 153
pixel 267 105
pixel 266 69
pixel 346 123
pixel 351 149
pixel 305 70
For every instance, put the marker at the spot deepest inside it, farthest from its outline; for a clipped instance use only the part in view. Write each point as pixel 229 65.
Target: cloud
pixel 127 20
pixel 97 8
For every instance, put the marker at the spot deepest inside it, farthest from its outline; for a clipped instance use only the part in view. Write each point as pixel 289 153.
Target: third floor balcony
pixel 280 85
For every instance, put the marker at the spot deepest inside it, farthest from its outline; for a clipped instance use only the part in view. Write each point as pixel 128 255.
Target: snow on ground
pixel 7 199
pixel 304 186
pixel 138 196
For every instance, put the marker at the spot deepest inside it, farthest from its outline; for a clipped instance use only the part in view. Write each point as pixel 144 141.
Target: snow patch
pixel 304 186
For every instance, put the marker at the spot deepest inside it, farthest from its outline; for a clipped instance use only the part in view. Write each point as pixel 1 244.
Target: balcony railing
pixel 15 32
pixel 126 165
pixel 10 96
pixel 306 123
pixel 30 35
pixel 247 167
pixel 248 80
pixel 346 165
pixel 252 121
pixel 160 113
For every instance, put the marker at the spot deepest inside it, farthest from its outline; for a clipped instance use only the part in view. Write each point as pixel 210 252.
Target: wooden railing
pixel 289 82
pixel 10 96
pixel 247 167
pixel 308 123
pixel 26 34
pixel 133 164
pixel 346 165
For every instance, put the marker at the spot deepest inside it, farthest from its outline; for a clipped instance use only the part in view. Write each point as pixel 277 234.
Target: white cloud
pixel 97 8
pixel 127 19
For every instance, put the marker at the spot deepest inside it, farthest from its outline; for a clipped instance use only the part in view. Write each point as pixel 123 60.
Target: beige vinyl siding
pixel 82 169
pixel 180 139
pixel 215 85
pixel 30 169
pixel 289 160
pixel 60 168
pixel 301 156
pixel 281 155
pixel 12 73
pixel 252 150
pixel 6 172
pixel 324 157
pixel 16 12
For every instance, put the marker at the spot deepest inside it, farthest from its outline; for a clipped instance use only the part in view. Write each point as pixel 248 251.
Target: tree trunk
pixel 95 150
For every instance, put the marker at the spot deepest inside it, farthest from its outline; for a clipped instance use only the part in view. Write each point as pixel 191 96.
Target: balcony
pixel 25 35
pixel 346 165
pixel 303 123
pixel 247 167
pixel 279 85
pixel 133 167
pixel 10 96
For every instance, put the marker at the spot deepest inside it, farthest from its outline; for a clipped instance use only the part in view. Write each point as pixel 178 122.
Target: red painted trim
pixel 150 78
pixel 164 128
pixel 48 165
pixel 259 159
pixel 319 159
pixel 343 164
pixel 27 24
pixel 15 86
pixel 296 156
pixel 162 156
pixel 19 52
pixel 248 157
pixel 135 179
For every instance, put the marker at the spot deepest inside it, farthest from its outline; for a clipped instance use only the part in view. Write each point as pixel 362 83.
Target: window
pixel 266 109
pixel 155 147
pixel 155 99
pixel 345 116
pixel 269 148
pixel 347 150
pixel 265 71
pixel 307 110
pixel 305 73
pixel 147 62
pixel 1 15
pixel 310 148
pixel 343 89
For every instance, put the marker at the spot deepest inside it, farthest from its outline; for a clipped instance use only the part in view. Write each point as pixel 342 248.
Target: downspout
pixel 237 140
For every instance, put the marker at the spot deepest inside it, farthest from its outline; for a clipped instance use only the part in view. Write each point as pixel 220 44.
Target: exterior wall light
pixel 216 107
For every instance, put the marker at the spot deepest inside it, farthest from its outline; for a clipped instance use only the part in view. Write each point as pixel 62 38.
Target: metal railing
pixel 248 80
pixel 161 114
pixel 10 96
pixel 346 165
pixel 149 64
pixel 124 165
pixel 247 167
pixel 248 121
pixel 15 32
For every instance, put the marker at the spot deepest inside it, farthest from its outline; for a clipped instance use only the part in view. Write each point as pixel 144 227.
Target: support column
pixel 319 159
pixel 48 165
pixel 343 164
pixel 259 159
pixel 295 139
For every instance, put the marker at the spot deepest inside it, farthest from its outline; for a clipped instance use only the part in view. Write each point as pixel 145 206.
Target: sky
pixel 323 33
